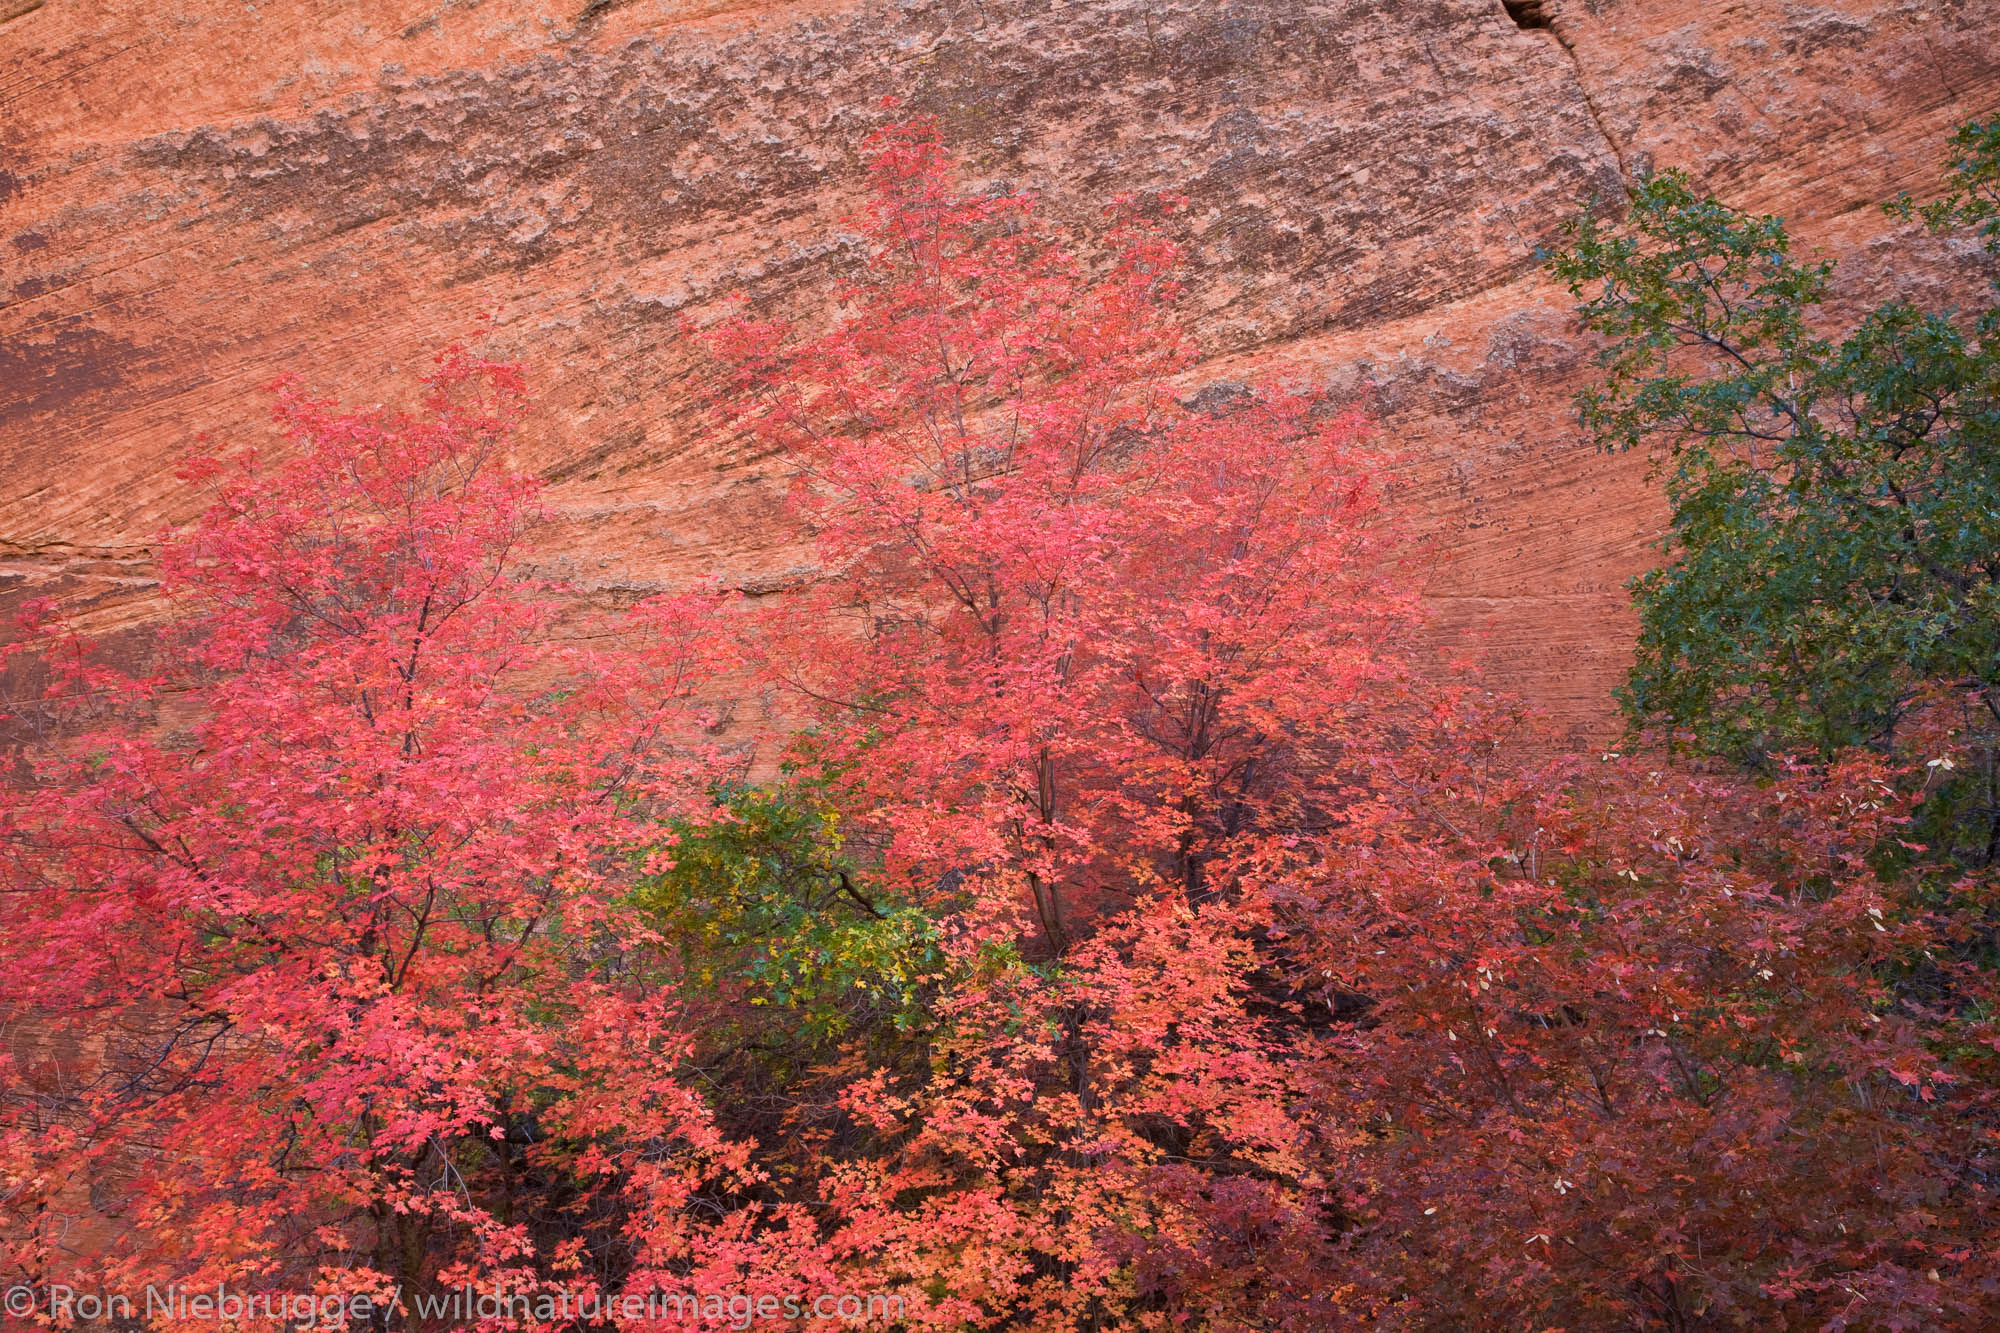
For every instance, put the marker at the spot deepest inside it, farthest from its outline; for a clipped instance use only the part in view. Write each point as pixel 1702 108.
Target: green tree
pixel 1835 497
pixel 762 905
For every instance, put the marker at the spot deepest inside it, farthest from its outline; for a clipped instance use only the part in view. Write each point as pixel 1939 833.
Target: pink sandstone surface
pixel 198 194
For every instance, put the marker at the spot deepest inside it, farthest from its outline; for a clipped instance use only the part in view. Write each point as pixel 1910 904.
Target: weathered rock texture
pixel 197 194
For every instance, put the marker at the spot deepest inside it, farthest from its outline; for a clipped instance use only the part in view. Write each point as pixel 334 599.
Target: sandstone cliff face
pixel 197 194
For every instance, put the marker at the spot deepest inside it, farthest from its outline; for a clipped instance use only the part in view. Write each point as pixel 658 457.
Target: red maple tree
pixel 1061 615
pixel 1639 1047
pixel 316 928
pixel 1086 665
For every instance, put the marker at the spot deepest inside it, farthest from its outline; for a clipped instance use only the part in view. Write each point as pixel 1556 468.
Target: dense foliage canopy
pixel 1128 934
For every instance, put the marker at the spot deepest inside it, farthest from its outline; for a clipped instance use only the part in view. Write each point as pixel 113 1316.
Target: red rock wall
pixel 199 193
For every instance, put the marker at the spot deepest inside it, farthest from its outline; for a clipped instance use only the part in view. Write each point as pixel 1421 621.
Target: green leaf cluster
pixel 762 901
pixel 1835 497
